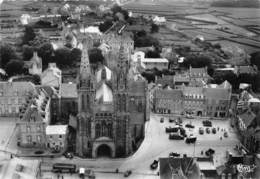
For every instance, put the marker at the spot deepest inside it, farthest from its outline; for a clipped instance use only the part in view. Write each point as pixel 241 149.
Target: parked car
pixel 183 132
pixel 68 155
pixel 214 131
pixel 210 152
pixel 207 123
pixel 189 126
pixel 176 137
pixel 171 120
pixel 127 173
pixel 174 154
pixel 180 120
pixel 189 116
pixel 201 130
pixel 191 139
pixel 208 130
pixel 225 134
pixel 154 165
pixel 162 120
pixel 171 129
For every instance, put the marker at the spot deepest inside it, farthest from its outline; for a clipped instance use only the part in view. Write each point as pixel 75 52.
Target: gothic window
pixel 110 130
pixel 83 101
pixel 103 74
pixel 104 129
pixel 140 106
pixel 98 130
pixel 88 102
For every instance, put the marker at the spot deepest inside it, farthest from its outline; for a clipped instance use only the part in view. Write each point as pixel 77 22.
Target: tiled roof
pixel 173 94
pixel 198 71
pixel 16 88
pixel 192 90
pixel 217 93
pixel 69 90
pixel 247 117
pixel 169 165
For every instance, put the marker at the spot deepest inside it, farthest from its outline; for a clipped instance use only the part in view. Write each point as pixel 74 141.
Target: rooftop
pixel 169 94
pixel 69 90
pixel 56 129
pixel 155 60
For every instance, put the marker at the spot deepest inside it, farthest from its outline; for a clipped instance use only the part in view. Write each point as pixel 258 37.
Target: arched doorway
pixel 199 113
pixel 103 151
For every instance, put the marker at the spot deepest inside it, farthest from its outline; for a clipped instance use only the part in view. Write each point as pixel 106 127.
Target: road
pixel 155 145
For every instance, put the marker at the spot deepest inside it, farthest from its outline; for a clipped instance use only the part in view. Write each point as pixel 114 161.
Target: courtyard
pixel 155 145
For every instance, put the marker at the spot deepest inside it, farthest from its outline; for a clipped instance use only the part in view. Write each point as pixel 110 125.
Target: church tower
pixel 121 97
pixel 86 99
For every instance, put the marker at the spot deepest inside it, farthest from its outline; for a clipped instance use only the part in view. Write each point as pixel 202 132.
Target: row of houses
pixel 210 100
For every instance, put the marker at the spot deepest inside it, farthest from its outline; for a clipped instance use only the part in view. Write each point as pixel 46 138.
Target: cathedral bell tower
pixel 121 97
pixel 86 104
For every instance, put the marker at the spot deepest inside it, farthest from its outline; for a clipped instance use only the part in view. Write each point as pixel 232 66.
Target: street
pixel 155 145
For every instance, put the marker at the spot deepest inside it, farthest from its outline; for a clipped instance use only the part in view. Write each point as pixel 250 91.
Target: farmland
pixel 235 26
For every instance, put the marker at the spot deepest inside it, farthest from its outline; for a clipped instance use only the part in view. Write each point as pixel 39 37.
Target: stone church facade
pixel 112 107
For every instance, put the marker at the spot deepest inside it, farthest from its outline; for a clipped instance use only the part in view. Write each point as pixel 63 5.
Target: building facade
pixel 34 117
pixel 104 122
pixel 56 137
pixel 13 96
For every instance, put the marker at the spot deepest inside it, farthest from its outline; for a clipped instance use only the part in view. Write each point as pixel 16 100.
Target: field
pixel 221 25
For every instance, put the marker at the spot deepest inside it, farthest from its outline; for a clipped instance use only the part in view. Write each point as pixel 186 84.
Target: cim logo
pixel 245 168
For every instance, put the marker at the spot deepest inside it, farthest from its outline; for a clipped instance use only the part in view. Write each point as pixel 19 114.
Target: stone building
pixel 51 76
pixel 194 100
pixel 34 117
pixel 12 96
pixel 34 65
pixel 56 136
pixel 168 101
pixel 105 123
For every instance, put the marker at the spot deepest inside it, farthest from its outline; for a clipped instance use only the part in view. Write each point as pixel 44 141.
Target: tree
pixel 152 54
pixel 36 79
pixel 255 59
pixel 197 61
pixel 46 52
pixel 154 28
pixel 95 56
pixel 14 67
pixel 38 41
pixel 149 76
pixel 141 33
pixel 103 27
pixel 27 52
pixel 29 34
pixel 62 56
pixel 7 53
pixel 75 54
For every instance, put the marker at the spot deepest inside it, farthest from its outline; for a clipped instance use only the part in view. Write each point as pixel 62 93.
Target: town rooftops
pixel 178 166
pixel 173 94
pixel 198 71
pixel 247 117
pixel 17 168
pixel 56 129
pixel 155 60
pixel 17 88
pixel 68 90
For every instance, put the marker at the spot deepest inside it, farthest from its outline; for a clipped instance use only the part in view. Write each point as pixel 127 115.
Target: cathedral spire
pixel 84 64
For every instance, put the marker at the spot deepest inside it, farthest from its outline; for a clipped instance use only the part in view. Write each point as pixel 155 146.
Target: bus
pixel 64 168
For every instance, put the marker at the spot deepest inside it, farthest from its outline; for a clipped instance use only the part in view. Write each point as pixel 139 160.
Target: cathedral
pixel 112 107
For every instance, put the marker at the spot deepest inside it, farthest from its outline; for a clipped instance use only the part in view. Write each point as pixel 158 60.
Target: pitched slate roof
pixel 17 88
pixel 247 117
pixel 173 94
pixel 69 90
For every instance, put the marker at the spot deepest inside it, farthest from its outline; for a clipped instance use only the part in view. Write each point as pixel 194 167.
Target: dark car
pixel 191 140
pixel 208 130
pixel 162 120
pixel 176 137
pixel 154 165
pixel 127 173
pixel 171 120
pixel 214 131
pixel 189 126
pixel 183 132
pixel 171 129
pixel 225 134
pixel 207 123
pixel 174 154
pixel 201 130
pixel 68 155
pixel 210 152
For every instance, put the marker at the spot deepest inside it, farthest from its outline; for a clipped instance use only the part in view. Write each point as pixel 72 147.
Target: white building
pixel 57 137
pixel 149 63
pixel 51 76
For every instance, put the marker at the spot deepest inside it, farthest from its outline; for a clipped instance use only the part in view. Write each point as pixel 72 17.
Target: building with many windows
pixel 13 96
pixel 34 117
